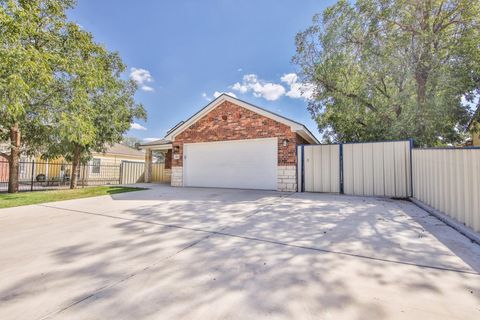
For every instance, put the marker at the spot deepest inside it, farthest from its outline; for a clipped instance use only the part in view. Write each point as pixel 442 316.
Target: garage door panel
pixel 249 164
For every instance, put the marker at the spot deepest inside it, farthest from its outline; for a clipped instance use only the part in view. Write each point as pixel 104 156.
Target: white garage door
pixel 247 164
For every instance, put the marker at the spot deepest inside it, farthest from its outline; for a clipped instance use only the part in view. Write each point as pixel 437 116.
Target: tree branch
pixel 349 95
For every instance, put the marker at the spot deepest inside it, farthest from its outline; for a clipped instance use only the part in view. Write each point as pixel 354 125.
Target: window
pixel 96 165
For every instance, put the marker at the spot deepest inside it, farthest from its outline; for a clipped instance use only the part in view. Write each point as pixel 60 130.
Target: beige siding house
pixel 105 166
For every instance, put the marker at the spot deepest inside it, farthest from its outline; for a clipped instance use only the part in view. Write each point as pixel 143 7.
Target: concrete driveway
pixel 186 253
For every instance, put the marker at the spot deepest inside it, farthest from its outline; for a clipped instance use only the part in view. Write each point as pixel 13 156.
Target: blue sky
pixel 182 52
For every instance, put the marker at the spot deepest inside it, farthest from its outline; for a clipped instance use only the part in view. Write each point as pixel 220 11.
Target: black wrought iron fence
pixel 42 175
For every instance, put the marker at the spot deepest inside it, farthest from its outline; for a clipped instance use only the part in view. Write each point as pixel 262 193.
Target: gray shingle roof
pixel 120 149
pixel 156 142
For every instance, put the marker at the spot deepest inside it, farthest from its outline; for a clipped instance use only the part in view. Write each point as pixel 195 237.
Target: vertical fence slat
pixel 335 168
pixel 368 175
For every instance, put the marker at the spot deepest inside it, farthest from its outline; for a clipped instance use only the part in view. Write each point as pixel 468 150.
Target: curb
pixel 463 229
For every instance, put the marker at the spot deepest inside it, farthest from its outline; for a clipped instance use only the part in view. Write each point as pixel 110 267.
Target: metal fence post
pixel 303 169
pixel 341 167
pixel 411 166
pixel 83 176
pixel 120 174
pixel 33 173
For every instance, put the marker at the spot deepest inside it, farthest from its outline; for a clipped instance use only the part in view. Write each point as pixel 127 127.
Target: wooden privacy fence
pixel 159 173
pixel 449 181
pixel 367 169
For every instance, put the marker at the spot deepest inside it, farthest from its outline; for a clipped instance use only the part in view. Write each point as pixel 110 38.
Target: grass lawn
pixel 8 200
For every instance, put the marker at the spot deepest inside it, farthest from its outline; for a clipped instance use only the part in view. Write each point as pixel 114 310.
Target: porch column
pixel 148 165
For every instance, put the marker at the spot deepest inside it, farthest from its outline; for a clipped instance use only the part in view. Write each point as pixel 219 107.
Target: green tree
pixel 131 142
pixel 96 106
pixel 392 69
pixel 30 33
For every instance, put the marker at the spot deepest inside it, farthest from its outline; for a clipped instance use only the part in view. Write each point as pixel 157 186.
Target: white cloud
pixel 260 88
pixel 142 77
pixel 298 89
pixel 147 89
pixel 239 69
pixel 217 94
pixel 242 88
pixel 137 126
pixel 289 78
pixel 150 139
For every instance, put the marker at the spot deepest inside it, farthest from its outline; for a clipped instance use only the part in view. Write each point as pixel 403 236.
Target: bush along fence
pixel 446 180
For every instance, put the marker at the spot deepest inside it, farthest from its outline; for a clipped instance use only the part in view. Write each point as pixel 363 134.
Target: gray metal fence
pixel 367 169
pixel 449 181
pixel 377 169
pixel 132 172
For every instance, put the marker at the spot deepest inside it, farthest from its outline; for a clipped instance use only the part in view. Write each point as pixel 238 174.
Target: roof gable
pixel 295 126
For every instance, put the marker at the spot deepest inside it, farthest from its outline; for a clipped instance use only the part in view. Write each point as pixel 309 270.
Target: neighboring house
pixel 118 153
pixel 104 167
pixel 233 144
pixel 474 128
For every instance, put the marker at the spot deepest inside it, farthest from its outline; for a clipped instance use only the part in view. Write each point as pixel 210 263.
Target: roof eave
pixel 308 136
pixel 160 146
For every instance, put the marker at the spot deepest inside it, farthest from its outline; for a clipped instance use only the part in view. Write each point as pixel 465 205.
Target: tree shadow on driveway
pixel 254 255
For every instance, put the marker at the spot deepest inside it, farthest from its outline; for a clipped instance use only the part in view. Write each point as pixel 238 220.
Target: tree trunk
pixel 75 167
pixel 14 159
pixel 421 78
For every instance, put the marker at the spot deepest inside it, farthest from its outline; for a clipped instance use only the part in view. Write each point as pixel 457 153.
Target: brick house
pixel 233 144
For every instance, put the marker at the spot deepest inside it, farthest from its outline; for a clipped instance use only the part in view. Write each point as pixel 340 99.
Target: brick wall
pixel 231 122
pixel 168 159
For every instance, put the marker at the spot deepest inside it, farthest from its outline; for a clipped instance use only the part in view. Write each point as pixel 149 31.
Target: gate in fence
pixel 321 168
pixel 367 169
